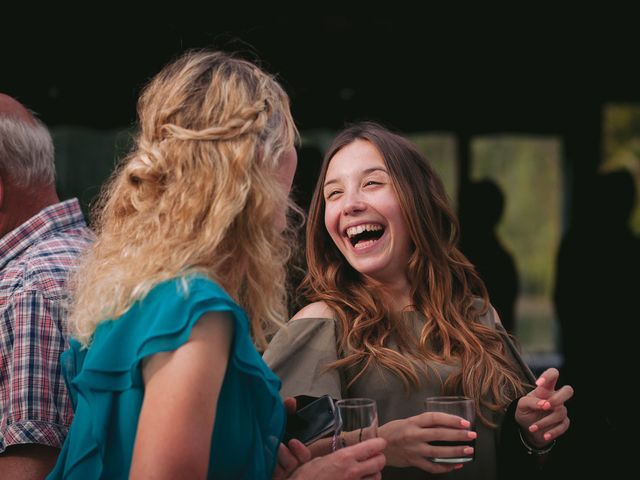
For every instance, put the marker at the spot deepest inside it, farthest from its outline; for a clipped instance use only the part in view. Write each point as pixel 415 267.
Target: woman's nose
pixel 353 203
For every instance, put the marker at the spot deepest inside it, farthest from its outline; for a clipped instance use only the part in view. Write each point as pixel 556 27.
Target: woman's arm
pixel 28 461
pixel 181 394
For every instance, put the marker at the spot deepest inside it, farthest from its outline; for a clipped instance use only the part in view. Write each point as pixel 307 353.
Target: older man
pixel 40 240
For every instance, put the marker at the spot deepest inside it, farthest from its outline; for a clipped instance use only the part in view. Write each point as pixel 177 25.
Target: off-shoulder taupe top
pixel 300 352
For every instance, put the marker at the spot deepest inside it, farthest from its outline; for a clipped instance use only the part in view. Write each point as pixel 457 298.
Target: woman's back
pixel 107 387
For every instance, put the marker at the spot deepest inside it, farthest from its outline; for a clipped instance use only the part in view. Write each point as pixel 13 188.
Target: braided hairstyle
pixel 198 193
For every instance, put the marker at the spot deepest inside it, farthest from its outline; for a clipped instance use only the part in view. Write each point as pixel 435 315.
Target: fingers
pixel 531 402
pixel 372 465
pixel 546 424
pixel 346 463
pixel 425 444
pixel 436 468
pixel 557 416
pixel 431 446
pixel 547 381
pixel 446 434
pixel 431 419
pixel 561 396
pixel 287 462
pixel 363 459
pixel 542 399
pixel 300 451
pixel 558 430
pixel 545 418
pixel 543 433
pixel 290 404
pixel 449 452
pixel 290 458
pixel 367 449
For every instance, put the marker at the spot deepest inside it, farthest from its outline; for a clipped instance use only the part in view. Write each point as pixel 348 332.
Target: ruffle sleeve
pixel 299 354
pixel 106 386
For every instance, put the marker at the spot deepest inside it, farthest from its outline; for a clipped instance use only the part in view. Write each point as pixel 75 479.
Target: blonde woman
pixel 186 274
pixel 399 314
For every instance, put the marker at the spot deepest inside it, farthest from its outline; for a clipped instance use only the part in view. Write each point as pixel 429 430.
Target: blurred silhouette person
pixel 481 211
pixel 596 303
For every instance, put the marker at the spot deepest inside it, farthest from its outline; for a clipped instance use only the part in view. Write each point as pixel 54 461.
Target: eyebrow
pixel 364 172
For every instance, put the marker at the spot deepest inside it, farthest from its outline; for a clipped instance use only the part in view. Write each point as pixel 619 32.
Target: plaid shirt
pixel 35 259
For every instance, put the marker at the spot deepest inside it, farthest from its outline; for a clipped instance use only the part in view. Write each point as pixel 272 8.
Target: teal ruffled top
pixel 106 388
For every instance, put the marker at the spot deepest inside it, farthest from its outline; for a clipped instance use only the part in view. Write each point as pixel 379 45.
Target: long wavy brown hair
pixel 445 287
pixel 198 193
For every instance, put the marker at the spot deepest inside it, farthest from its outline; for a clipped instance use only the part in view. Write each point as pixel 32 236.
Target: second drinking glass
pixel 357 421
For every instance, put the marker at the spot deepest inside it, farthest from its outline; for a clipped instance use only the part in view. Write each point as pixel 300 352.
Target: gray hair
pixel 26 152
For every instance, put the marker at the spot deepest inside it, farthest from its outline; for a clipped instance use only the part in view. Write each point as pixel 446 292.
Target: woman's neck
pixel 396 295
pixel 398 302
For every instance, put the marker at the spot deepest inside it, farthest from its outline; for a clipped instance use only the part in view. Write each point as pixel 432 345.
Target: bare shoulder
pixel 493 312
pixel 314 310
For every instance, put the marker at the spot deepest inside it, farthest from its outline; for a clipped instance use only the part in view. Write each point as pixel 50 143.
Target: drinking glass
pixel 357 421
pixel 455 405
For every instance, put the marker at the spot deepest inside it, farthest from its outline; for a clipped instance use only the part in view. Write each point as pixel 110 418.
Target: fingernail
pixel 533 428
pixel 546 406
pixel 468 450
pixel 465 423
pixel 541 403
pixel 472 435
pixel 541 381
pixel 547 436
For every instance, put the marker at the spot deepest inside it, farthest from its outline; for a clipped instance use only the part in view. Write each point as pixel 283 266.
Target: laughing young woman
pixel 399 314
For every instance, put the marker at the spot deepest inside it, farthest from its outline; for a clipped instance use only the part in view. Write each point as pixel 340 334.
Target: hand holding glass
pixel 462 407
pixel 357 421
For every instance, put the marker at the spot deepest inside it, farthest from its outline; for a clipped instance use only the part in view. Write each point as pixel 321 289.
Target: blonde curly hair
pixel 198 193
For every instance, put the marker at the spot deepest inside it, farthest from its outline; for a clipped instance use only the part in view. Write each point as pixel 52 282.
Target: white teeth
pixel 371 227
pixel 365 244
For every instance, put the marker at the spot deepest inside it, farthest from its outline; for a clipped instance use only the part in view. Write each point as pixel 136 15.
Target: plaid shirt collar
pixel 57 217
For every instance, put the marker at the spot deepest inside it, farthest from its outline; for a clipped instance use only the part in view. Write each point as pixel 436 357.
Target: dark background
pixel 468 71
pixel 530 72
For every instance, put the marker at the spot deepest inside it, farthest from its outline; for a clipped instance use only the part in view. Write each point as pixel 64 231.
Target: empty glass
pixel 357 421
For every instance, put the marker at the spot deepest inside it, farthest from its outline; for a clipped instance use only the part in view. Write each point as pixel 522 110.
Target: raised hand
pixel 408 440
pixel 541 414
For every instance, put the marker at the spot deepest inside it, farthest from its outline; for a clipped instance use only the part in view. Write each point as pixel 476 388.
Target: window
pixel 528 171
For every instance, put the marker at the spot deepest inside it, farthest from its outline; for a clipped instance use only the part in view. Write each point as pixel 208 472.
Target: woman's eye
pixel 371 182
pixel 332 193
